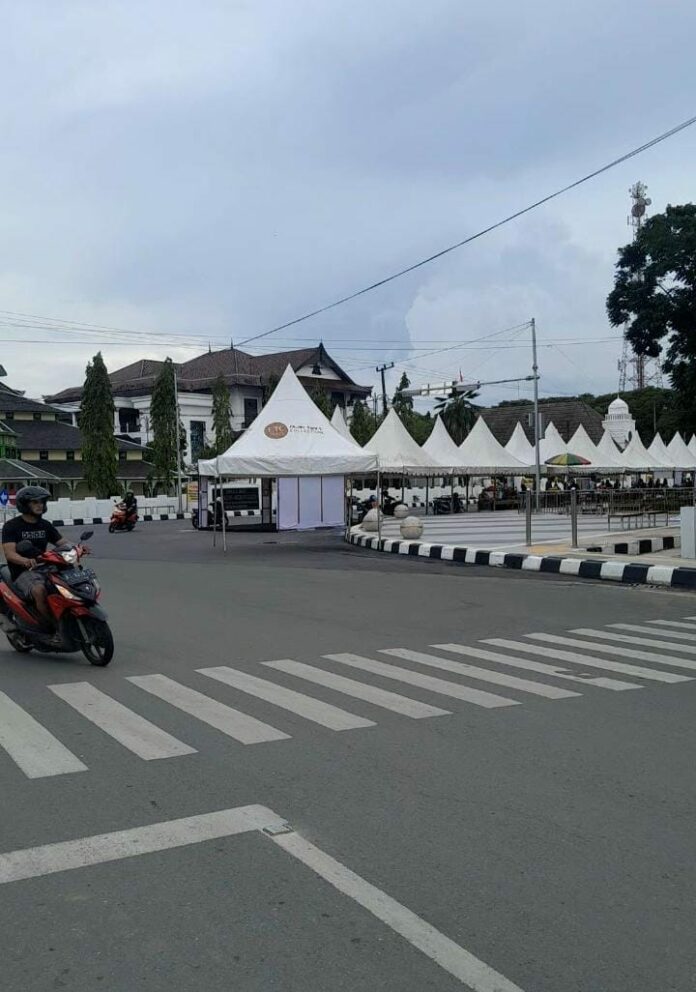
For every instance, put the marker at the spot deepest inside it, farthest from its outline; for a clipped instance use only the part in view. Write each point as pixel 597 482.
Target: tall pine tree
pixel 362 424
pixel 163 417
pixel 222 413
pixel 99 448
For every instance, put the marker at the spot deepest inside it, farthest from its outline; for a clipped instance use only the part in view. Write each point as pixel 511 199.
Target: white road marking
pixel 128 728
pixel 575 642
pixel 475 696
pixel 674 623
pixel 539 666
pixel 360 690
pixel 637 671
pixel 472 671
pixel 469 970
pixel 34 862
pixel 36 751
pixel 296 702
pixel 627 639
pixel 674 635
pixel 241 727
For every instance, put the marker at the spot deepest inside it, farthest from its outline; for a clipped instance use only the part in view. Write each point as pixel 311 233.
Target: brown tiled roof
pixel 15 402
pixel 53 434
pixel 75 470
pixel 199 374
pixel 567 415
pixel 14 470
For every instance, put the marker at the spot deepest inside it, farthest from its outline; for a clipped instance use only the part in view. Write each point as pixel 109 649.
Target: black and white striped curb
pixel 614 571
pixel 639 546
pixel 147 517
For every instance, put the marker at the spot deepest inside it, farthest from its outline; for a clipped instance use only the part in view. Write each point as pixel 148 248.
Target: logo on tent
pixel 276 430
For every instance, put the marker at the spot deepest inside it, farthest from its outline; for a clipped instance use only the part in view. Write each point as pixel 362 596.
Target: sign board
pixel 241 498
pixel 4 497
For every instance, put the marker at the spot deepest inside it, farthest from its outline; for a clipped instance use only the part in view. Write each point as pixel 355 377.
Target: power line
pixel 479 234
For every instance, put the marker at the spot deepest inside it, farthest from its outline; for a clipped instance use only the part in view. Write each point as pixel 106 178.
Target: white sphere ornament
pixel 400 511
pixel 370 521
pixel 411 528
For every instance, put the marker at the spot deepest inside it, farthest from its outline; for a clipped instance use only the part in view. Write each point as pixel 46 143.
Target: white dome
pixel 618 406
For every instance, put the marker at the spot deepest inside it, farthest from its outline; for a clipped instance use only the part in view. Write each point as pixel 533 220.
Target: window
pixel 251 408
pixel 37 416
pixel 70 456
pixel 122 456
pixel 338 399
pixel 8 415
pixel 43 455
pixel 197 429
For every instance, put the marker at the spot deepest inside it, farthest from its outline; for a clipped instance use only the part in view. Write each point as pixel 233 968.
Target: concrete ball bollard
pixel 400 511
pixel 411 528
pixel 370 521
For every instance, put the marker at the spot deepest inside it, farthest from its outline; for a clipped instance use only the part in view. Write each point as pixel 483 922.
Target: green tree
pixel 163 415
pixel 403 404
pixel 322 400
pixel 268 385
pixel 222 413
pixel 362 424
pixel 654 295
pixel 99 448
pixel 458 413
pixel 420 426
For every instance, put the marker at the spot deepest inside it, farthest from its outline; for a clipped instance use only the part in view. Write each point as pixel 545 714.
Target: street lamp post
pixel 179 507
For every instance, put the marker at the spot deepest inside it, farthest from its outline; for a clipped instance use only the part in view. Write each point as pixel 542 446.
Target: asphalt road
pixel 549 838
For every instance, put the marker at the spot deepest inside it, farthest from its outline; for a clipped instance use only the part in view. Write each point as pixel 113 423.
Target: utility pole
pixel 535 370
pixel 179 508
pixel 382 369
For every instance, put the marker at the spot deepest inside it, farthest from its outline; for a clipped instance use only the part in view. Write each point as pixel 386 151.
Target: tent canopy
pixel 635 457
pixel 520 448
pixel 398 452
pixel 480 453
pixel 680 454
pixel 440 447
pixel 338 422
pixel 661 457
pixel 290 437
pixel 552 443
pixel 581 444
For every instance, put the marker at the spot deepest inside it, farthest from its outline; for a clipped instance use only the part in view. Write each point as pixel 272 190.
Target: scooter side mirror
pixel 86 534
pixel 27 550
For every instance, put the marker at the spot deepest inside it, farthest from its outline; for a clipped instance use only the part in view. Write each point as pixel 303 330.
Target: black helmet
pixel 29 493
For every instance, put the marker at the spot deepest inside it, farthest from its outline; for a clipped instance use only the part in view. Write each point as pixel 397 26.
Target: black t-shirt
pixel 39 532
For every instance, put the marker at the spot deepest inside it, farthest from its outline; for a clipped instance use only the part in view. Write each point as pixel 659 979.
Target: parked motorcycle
pixel 122 519
pixel 445 504
pixel 72 597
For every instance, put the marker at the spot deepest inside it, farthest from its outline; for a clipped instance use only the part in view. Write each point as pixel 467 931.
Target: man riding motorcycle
pixel 28 526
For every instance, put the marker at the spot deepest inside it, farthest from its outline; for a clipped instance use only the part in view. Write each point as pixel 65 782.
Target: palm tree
pixel 458 413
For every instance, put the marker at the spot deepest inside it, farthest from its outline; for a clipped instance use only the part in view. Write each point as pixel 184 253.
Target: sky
pixel 176 174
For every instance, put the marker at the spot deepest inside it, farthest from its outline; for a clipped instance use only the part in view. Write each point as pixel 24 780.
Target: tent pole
pixel 217 475
pixel 452 492
pixel 427 484
pixel 379 506
pixel 224 523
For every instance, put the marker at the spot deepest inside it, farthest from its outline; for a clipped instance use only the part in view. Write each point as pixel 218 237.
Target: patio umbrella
pixel 568 459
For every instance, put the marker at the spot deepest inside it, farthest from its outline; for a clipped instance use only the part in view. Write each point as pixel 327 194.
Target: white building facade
pixel 619 422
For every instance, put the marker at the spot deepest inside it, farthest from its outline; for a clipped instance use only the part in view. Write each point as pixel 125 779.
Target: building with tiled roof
pixel 37 446
pixel 248 378
pixel 567 415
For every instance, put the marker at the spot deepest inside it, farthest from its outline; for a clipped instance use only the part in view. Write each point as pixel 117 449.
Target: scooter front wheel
pixel 97 641
pixel 112 528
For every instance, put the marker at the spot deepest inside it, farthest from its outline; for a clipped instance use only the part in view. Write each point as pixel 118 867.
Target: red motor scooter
pixel 72 597
pixel 122 519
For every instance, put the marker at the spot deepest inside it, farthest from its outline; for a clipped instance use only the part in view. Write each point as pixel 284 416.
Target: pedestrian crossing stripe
pixel 37 753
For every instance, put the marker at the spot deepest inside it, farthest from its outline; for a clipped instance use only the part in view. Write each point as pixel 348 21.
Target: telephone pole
pixel 382 369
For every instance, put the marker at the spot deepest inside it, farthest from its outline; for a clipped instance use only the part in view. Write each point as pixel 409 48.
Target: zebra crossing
pixel 495 673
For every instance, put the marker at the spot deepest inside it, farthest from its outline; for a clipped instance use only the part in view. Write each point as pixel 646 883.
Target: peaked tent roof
pixel 609 450
pixel 552 444
pixel 636 457
pixel 398 452
pixel 338 422
pixel 290 436
pixel 659 452
pixel 581 444
pixel 483 454
pixel 680 453
pixel 440 446
pixel 519 447
pixel 692 444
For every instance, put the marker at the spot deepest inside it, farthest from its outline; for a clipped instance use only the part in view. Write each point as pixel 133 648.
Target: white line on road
pixel 460 963
pixel 241 727
pixel 637 671
pixel 453 689
pixel 472 671
pixel 312 709
pixel 627 639
pixel 128 728
pixel 674 623
pixel 36 751
pixel 34 862
pixel 538 666
pixel 359 690
pixel 674 635
pixel 576 642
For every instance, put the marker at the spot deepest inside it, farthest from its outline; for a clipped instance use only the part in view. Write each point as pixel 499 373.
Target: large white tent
pixel 581 444
pixel 290 437
pixel 398 453
pixel 480 453
pixel 338 422
pixel 692 444
pixel 440 447
pixel 660 454
pixel 680 453
pixel 552 444
pixel 520 448
pixel 635 457
pixel 608 450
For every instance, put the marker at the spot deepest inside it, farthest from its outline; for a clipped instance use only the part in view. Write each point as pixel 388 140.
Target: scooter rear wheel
pixel 112 528
pixel 98 646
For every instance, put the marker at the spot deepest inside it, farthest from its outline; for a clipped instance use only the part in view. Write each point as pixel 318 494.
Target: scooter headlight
pixel 70 556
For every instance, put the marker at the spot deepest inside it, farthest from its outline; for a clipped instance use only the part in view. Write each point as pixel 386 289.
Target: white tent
pixel 552 444
pixel 680 454
pixel 480 453
pixel 338 422
pixel 608 450
pixel 520 448
pixel 635 457
pixel 440 447
pixel 290 437
pixel 692 444
pixel 660 454
pixel 581 444
pixel 397 452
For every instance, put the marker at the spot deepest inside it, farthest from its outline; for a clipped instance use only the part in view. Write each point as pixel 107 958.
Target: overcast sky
pixel 207 171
